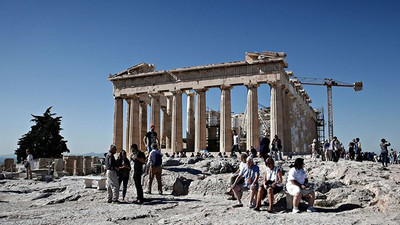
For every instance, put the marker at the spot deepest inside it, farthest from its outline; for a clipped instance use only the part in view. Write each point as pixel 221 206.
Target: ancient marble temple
pixel 292 117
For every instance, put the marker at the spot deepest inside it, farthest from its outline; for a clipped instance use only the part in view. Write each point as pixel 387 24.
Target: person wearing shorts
pixel 251 173
pixel 297 186
pixel 271 186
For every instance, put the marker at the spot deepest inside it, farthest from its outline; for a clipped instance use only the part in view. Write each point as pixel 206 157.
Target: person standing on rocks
pixel 29 164
pixel 272 184
pixel 111 174
pixel 123 173
pixel 327 151
pixel 155 168
pixel 264 147
pixel 150 138
pixel 139 160
pixel 251 173
pixel 313 147
pixel 298 187
pixel 277 147
pixel 236 140
pixel 334 148
pixel 384 152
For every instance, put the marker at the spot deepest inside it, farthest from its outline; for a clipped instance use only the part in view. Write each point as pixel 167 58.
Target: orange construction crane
pixel 329 83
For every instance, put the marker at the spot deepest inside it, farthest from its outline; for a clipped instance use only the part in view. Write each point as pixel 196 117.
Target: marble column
pixel 163 131
pixel 176 132
pixel 118 123
pixel 252 121
pixel 289 122
pixel 190 123
pixel 142 125
pixel 276 112
pixel 225 124
pixel 168 125
pixel 134 135
pixel 155 112
pixel 127 124
pixel 200 141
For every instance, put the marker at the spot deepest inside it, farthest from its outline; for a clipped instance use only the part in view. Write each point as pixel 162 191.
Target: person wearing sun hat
pixel 150 138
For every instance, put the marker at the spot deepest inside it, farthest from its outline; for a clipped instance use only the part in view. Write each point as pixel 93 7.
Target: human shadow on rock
pixel 187 170
pixel 159 201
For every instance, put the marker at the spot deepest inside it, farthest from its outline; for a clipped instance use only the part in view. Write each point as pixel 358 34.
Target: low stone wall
pixel 9 165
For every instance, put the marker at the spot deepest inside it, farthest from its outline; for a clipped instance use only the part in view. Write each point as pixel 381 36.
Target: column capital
pixel 155 94
pixel 251 85
pixel 201 90
pixel 176 92
pixel 226 87
pixel 188 93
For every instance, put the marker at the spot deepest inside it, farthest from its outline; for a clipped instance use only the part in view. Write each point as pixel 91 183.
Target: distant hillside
pixel 2 157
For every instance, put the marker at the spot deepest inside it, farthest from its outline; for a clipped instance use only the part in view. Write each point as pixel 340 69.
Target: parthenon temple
pixel 291 116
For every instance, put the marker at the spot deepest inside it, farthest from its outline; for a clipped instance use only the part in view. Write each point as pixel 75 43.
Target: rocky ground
pixel 347 193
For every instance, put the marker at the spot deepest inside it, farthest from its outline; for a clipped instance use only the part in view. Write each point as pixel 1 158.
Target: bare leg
pixel 238 193
pixel 270 198
pixel 311 198
pixel 296 200
pixel 253 192
pixel 259 197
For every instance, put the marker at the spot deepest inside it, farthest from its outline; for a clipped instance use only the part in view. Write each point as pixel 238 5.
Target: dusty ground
pixel 348 193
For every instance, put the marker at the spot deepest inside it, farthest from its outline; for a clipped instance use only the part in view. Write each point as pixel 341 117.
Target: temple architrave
pixel 292 117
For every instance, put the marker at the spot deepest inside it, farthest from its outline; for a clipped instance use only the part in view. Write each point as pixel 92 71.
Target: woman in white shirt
pixel 272 184
pixel 297 186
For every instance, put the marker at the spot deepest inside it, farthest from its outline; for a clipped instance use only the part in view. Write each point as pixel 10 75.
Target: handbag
pixel 26 164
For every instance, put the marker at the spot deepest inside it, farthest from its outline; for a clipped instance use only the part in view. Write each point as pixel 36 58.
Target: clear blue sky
pixel 59 53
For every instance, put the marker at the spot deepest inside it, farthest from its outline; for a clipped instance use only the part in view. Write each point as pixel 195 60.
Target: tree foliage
pixel 44 139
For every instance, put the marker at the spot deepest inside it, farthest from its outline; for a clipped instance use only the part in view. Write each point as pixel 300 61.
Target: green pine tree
pixel 44 139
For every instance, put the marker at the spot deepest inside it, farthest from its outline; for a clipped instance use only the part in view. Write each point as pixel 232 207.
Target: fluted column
pixel 276 112
pixel 142 125
pixel 190 124
pixel 200 141
pixel 163 131
pixel 134 123
pixel 168 124
pixel 289 122
pixel 155 112
pixel 225 125
pixel 176 132
pixel 118 124
pixel 252 122
pixel 127 124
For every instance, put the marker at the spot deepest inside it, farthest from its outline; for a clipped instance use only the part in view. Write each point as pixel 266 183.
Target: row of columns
pixel 287 120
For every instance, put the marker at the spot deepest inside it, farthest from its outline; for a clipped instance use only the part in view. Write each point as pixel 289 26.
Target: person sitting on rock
pixel 251 173
pixel 297 186
pixel 272 184
pixel 242 164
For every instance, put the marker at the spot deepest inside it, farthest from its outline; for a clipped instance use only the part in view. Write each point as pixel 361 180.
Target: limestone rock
pixel 181 186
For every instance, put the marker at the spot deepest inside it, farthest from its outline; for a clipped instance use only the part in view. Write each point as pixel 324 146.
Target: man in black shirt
pixel 150 138
pixel 111 174
pixel 139 159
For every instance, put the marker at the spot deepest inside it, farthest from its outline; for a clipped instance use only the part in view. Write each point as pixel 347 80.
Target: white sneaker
pixel 311 209
pixel 295 210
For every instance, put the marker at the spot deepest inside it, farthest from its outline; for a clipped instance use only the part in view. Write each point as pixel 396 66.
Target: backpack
pixel 158 159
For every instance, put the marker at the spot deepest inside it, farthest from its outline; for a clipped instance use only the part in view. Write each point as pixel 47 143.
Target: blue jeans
pixel 384 159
